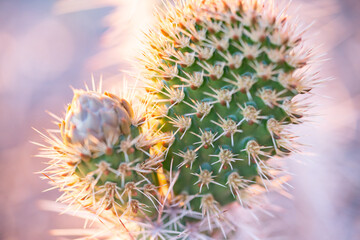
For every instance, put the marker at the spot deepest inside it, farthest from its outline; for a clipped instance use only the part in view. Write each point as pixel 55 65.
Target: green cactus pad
pixel 223 75
pixel 108 159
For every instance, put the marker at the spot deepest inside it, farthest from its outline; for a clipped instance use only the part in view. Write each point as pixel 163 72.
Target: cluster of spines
pixel 224 75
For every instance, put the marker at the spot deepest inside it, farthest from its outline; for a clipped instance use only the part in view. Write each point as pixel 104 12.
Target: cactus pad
pixel 105 159
pixel 224 75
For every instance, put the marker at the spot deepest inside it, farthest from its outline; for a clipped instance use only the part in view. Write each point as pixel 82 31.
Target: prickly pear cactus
pixel 225 81
pixel 105 159
pixel 224 76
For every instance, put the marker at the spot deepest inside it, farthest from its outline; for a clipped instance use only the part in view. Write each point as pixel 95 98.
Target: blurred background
pixel 48 46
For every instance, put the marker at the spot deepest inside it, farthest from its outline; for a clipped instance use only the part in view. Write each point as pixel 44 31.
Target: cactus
pixel 106 158
pixel 224 76
pixel 224 83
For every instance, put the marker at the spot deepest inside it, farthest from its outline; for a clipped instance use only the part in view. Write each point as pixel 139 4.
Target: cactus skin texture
pixel 224 75
pixel 105 159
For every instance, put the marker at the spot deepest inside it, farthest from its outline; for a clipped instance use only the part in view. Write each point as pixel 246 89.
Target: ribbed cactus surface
pixel 224 75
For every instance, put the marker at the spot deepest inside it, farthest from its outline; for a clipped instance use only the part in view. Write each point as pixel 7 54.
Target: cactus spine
pixel 224 75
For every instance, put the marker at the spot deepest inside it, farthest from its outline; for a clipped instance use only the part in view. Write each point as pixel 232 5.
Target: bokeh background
pixel 48 46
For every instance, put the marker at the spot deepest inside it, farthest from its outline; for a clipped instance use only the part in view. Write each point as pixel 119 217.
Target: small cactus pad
pixel 105 159
pixel 223 75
